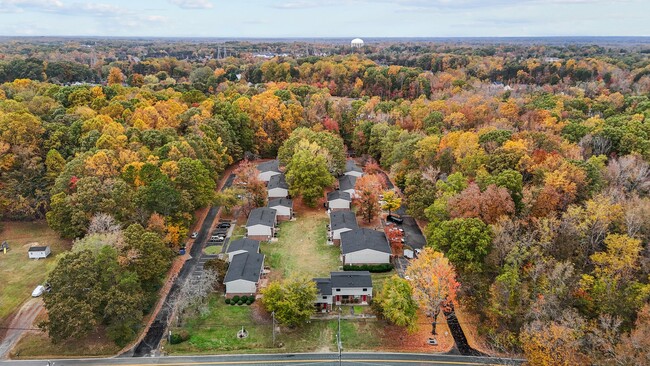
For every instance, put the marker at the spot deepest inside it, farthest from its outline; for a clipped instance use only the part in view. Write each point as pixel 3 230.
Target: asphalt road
pixel 283 359
pixel 149 344
pixel 412 234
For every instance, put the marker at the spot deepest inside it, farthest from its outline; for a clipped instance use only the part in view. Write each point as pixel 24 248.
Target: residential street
pixel 284 359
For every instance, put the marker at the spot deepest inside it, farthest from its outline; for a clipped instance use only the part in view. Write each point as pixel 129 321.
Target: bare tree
pixel 103 223
pixel 194 293
pixel 630 173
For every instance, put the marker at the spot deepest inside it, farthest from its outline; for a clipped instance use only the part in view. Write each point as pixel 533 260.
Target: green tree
pixel 229 198
pixel 292 300
pixel 54 163
pixel 307 173
pixel 123 310
pixel 396 303
pixel 195 179
pixel 147 255
pixel 465 242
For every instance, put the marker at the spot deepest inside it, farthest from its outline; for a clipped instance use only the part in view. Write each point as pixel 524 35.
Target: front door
pixel 364 298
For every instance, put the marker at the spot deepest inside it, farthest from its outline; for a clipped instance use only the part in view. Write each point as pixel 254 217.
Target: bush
pixel 374 268
pixel 179 337
pixel 251 299
pixel 244 298
pixel 235 298
pixel 227 301
pixel 233 302
pixel 249 302
pixel 185 335
pixel 240 302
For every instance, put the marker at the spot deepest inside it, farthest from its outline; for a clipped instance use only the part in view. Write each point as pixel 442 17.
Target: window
pixel 324 297
pixel 338 290
pixel 365 289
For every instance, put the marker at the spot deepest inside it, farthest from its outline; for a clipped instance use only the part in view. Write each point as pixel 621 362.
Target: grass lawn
pixel 212 249
pixel 216 332
pixel 37 344
pixel 19 273
pixel 302 247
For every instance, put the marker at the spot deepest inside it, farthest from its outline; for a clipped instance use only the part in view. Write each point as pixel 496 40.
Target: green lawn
pixel 19 273
pixel 37 345
pixel 302 247
pixel 216 331
pixel 212 249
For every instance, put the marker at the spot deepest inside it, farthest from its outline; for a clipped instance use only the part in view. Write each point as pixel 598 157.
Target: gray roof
pixel 269 166
pixel 324 286
pixel 245 244
pixel 347 182
pixel 343 220
pixel 262 216
pixel 37 249
pixel 245 266
pixel 338 194
pixel 278 181
pixel 351 279
pixel 351 166
pixel 284 202
pixel 360 239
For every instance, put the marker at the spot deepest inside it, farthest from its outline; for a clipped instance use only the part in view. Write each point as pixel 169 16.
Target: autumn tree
pixel 115 76
pixel 395 301
pixel 367 189
pixel 434 284
pixel 246 179
pixel 307 173
pixel 465 242
pixel 292 300
pixel 392 201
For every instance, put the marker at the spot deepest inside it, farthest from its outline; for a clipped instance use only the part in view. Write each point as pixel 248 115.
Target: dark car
pixel 224 225
pixel 396 219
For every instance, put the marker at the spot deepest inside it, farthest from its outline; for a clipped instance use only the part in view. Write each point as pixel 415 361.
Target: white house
pixel 283 207
pixel 244 245
pixel 268 169
pixel 340 222
pixel 364 246
pixel 261 224
pixel 343 288
pixel 351 168
pixel 243 274
pixel 277 187
pixel 338 200
pixel 37 252
pixel 346 184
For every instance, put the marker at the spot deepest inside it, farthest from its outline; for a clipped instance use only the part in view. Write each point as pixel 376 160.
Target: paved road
pixel 286 359
pixel 151 340
pixel 412 234
pixel 23 320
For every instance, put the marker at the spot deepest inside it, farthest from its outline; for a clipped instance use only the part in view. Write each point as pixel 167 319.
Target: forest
pixel 527 163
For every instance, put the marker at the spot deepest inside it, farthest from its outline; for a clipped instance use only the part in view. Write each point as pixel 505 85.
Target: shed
pixel 37 252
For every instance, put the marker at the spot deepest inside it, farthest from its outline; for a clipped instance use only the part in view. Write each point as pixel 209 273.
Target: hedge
pixel 227 301
pixel 374 268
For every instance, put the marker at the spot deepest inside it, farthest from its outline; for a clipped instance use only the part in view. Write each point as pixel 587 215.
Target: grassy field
pixel 19 273
pixel 37 344
pixel 216 332
pixel 302 247
pixel 212 249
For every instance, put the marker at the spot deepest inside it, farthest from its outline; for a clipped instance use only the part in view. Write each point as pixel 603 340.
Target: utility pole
pixel 339 343
pixel 273 315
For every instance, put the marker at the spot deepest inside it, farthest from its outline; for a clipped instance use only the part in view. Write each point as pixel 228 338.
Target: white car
pixel 38 291
pixel 194 235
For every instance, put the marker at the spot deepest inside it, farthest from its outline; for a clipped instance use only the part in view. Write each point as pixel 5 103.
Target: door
pixel 364 298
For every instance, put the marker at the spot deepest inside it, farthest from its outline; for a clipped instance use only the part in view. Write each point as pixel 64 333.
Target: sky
pixel 325 18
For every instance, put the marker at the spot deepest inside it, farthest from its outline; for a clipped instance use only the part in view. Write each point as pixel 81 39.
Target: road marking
pixel 312 361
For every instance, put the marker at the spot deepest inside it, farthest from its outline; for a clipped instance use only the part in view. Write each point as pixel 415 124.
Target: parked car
pixel 38 291
pixel 224 225
pixel 194 235
pixel 394 218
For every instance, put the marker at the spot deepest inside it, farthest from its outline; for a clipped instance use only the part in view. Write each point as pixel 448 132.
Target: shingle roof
pixel 278 181
pixel 284 202
pixel 343 220
pixel 351 166
pixel 269 166
pixel 262 216
pixel 338 194
pixel 245 266
pixel 37 249
pixel 360 239
pixel 324 286
pixel 351 279
pixel 245 244
pixel 347 182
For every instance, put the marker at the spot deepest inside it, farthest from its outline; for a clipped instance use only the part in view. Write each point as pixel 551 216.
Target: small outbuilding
pixel 38 252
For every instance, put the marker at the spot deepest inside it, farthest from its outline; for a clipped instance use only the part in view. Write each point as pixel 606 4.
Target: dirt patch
pixel 398 339
pixel 23 320
pixel 259 315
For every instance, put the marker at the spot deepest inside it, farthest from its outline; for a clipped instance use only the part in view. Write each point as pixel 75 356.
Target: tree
pixel 307 173
pixel 229 198
pixel 392 201
pixel 292 300
pixel 465 242
pixel 434 284
pixel 146 254
pixel 367 190
pixel 115 76
pixel 396 303
pixel 395 237
pixel 246 178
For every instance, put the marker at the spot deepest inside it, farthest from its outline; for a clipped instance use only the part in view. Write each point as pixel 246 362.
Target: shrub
pixel 244 298
pixel 240 302
pixel 374 268
pixel 185 335
pixel 235 298
pixel 180 337
pixel 227 301
pixel 249 301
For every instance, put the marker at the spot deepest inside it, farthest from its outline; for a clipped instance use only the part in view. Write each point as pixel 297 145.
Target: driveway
pixel 412 234
pixel 22 322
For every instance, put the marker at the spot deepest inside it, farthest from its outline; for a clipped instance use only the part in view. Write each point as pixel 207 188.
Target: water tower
pixel 357 43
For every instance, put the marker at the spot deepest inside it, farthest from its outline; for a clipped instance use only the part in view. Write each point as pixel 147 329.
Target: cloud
pixel 17 6
pixel 193 4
